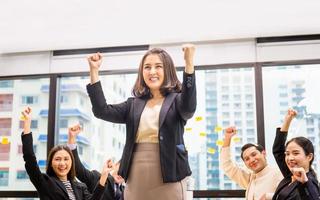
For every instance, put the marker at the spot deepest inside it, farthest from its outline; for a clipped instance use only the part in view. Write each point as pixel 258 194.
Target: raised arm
pixel 100 186
pixel 29 157
pixel 187 100
pixel 231 169
pixel 188 50
pixel 94 61
pixel 279 143
pixel 90 178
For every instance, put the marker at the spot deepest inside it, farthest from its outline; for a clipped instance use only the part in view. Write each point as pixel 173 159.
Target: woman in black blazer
pixel 154 161
pixel 58 183
pixel 294 160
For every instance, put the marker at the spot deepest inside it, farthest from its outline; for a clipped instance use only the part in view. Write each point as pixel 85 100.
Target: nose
pixel 153 70
pixel 290 157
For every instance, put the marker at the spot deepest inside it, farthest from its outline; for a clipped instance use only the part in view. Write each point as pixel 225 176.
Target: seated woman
pixel 58 183
pixel 294 160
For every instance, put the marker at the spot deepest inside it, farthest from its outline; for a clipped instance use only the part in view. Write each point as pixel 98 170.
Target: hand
pixel 290 114
pixel 188 50
pixel 107 168
pixel 228 134
pixel 299 174
pixel 287 120
pixel 26 114
pixel 95 61
pixel 72 133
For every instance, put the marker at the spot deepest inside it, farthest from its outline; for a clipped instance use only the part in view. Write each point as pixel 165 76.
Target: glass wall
pixel 294 87
pixel 225 97
pixel 15 95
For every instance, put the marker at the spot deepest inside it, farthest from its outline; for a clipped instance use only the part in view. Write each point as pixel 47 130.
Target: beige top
pixel 256 184
pixel 148 129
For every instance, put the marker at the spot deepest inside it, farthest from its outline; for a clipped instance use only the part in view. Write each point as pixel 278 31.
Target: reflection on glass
pixel 15 95
pixel 216 90
pixel 295 87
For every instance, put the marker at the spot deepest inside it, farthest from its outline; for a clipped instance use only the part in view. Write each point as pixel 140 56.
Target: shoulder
pixel 79 184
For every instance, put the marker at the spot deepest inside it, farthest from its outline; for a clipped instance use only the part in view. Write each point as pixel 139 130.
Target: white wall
pixel 214 53
pixel 44 25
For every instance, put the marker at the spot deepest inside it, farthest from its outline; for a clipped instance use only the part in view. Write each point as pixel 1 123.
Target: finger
pixel 28 110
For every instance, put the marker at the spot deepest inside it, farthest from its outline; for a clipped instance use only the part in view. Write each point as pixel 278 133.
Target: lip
pixel 153 79
pixel 291 164
pixel 253 165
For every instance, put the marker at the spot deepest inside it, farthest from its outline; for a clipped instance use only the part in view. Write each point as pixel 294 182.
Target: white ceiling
pixel 42 25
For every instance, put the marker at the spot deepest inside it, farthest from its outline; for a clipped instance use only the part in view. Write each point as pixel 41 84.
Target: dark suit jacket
pixel 177 108
pixel 295 190
pixel 91 178
pixel 48 187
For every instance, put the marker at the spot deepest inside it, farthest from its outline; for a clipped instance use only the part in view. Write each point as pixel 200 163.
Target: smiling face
pixel 296 157
pixel 153 73
pixel 61 164
pixel 254 159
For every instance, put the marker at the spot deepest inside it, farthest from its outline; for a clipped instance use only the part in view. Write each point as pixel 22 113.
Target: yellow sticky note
pixel 211 150
pixel 203 134
pixel 218 129
pixel 199 118
pixel 5 140
pixel 188 129
pixel 236 139
pixel 219 142
pixel 22 118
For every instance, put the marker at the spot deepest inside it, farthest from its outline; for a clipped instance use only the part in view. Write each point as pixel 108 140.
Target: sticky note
pixel 236 139
pixel 5 140
pixel 218 129
pixel 219 142
pixel 211 150
pixel 202 134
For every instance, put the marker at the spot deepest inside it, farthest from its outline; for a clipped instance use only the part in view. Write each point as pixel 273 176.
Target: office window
pixel 5 126
pixel 6 84
pixel 22 174
pixel 6 102
pixel 4 152
pixel 4 176
pixel 13 99
pixel 34 124
pixel 29 100
pixel 301 84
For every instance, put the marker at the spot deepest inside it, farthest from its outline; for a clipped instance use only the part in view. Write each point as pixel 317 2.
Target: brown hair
pixel 170 83
pixel 72 173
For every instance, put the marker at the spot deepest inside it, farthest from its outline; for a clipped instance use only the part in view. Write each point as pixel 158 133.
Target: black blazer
pixel 177 108
pixel 295 190
pixel 48 187
pixel 91 178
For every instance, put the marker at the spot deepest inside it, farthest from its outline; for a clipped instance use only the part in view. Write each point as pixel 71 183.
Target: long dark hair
pixel 170 82
pixel 72 173
pixel 307 147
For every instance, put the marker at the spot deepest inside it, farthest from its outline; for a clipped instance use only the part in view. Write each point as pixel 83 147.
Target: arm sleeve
pixel 233 171
pixel 310 189
pixel 116 113
pixel 90 178
pixel 30 160
pixel 278 150
pixel 187 99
